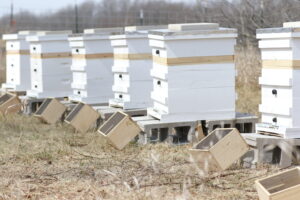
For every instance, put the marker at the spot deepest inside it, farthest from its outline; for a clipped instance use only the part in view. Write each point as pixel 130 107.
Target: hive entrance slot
pixel 76 110
pixel 43 107
pixel 4 98
pixel 213 139
pixel 112 122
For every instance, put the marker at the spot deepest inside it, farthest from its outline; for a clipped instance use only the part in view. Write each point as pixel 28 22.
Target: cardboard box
pixel 219 150
pixel 10 104
pixel 119 129
pixel 82 117
pixel 281 186
pixel 51 110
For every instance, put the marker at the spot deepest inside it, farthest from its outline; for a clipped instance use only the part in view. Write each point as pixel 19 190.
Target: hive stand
pixel 154 130
pixel 244 122
pixel 271 149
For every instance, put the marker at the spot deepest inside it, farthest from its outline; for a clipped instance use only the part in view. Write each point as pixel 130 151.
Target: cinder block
pixel 82 117
pixel 281 186
pixel 119 129
pixel 51 111
pixel 10 104
pixel 219 150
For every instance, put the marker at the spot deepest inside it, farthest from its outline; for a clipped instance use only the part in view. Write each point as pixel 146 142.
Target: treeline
pixel 245 15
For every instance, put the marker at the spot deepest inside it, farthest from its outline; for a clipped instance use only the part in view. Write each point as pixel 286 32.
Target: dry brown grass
pixel 39 161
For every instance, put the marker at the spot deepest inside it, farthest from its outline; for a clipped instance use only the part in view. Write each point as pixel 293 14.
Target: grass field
pixel 39 161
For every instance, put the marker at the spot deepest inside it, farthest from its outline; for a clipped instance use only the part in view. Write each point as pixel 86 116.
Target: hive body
pixel 17 61
pixel 132 64
pixel 280 81
pixel 92 60
pixel 193 73
pixel 50 65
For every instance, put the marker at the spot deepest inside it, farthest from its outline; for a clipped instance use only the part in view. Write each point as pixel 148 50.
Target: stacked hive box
pixel 193 73
pixel 17 61
pixel 132 65
pixel 280 80
pixel 91 66
pixel 50 64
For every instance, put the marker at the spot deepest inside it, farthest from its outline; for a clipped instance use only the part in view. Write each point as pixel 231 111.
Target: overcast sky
pixel 44 5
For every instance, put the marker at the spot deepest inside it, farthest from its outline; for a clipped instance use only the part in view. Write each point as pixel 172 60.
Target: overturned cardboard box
pixel 82 117
pixel 282 186
pixel 51 111
pixel 119 129
pixel 9 104
pixel 219 149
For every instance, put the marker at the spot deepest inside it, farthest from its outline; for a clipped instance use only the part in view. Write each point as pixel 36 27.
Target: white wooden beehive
pixel 280 80
pixel 17 61
pixel 92 60
pixel 50 64
pixel 132 64
pixel 193 72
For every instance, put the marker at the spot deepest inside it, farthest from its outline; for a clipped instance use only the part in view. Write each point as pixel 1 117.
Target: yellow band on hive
pixel 93 56
pixel 142 56
pixel 281 64
pixel 17 52
pixel 193 60
pixel 51 55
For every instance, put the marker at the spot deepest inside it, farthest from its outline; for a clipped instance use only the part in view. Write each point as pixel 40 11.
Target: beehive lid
pixel 193 26
pixel 103 30
pixel 144 28
pixel 291 24
pixel 27 32
pixel 42 33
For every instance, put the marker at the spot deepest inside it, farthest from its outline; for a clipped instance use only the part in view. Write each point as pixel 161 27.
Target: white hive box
pixel 17 61
pixel 193 73
pixel 92 60
pixel 132 64
pixel 280 80
pixel 50 64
